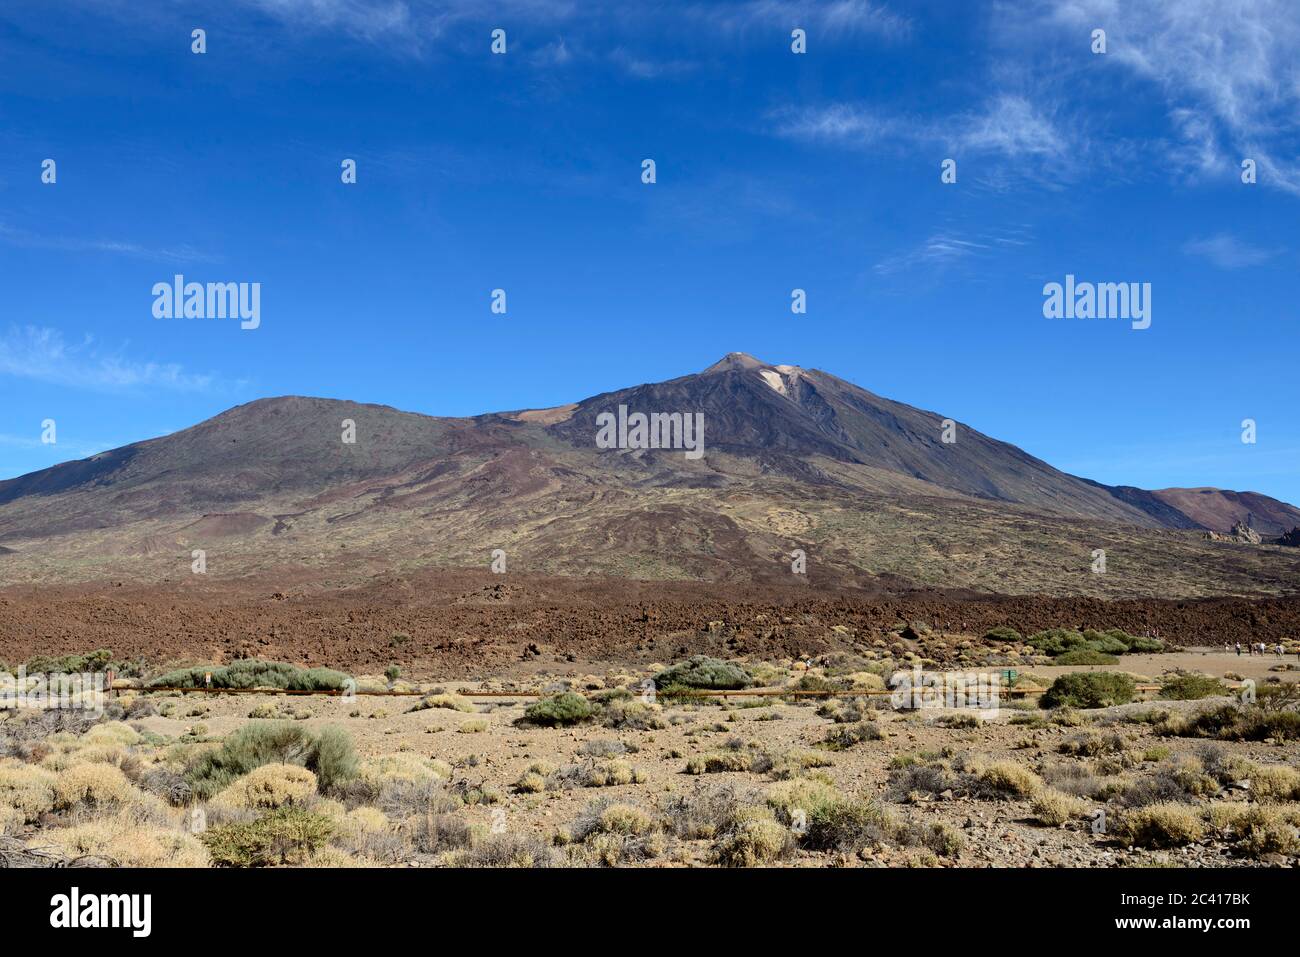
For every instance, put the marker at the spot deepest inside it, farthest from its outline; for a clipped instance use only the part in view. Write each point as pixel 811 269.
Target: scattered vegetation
pixel 328 754
pixel 559 710
pixel 253 673
pixel 1090 689
pixel 1191 687
pixel 1164 825
pixel 701 671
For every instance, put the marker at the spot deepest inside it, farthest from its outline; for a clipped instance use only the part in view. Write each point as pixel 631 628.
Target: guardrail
pixel 693 693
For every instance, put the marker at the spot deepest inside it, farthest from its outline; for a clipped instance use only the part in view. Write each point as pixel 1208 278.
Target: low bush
pixel 1054 808
pixel 702 671
pixel 509 850
pixel 123 841
pixel 1092 689
pixel 99 660
pixel 268 786
pixel 847 826
pixel 631 715
pixel 1275 782
pixel 288 835
pixel 847 735
pixel 1160 826
pixel 26 789
pixel 806 795
pixel 1085 656
pixel 1231 722
pixel 559 710
pixel 1257 830
pixel 1191 687
pixel 717 762
pixel 1009 778
pixel 328 754
pixel 452 701
pixel 92 784
pixel 254 673
pixel 751 837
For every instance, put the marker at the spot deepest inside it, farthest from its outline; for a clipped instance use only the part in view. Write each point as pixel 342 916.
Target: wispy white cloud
pixel 646 68
pixel 1229 73
pixel 947 248
pixel 413 26
pixel 824 21
pixel 1228 252
pixel 845 124
pixel 1013 126
pixel 42 354
pixel 181 253
pixel 1006 125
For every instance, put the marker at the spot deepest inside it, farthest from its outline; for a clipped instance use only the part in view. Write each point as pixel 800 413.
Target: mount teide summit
pixel 793 457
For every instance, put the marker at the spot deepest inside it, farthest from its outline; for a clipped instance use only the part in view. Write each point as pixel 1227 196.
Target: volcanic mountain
pixel 793 459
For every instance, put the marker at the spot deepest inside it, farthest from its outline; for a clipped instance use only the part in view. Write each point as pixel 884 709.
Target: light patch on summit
pixel 551 416
pixel 774 380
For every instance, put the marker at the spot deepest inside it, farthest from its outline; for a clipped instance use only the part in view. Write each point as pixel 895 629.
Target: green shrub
pixel 557 710
pixel 1092 689
pixel 1084 656
pixel 1112 641
pixel 750 837
pixel 1232 722
pixel 701 671
pixel 99 660
pixel 328 754
pixel 285 836
pixel 252 673
pixel 1138 643
pixel 847 826
pixel 1054 641
pixel 1003 633
pixel 847 735
pixel 1192 688
pixel 335 760
pixel 1107 642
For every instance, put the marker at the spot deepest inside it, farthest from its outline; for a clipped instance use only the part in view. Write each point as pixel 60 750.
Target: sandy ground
pixel 1001 832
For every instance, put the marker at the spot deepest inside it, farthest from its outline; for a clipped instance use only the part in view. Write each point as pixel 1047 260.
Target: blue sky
pixel 775 171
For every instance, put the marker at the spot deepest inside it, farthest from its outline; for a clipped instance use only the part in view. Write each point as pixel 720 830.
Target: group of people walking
pixel 1253 648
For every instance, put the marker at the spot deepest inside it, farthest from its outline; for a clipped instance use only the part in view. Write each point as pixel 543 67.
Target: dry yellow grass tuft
pixel 404 766
pixel 1275 782
pixel 93 784
pixel 1164 825
pixel 1007 777
pixel 451 701
pixel 1054 807
pixel 800 794
pixel 27 790
pixel 269 786
pixel 112 732
pixel 122 839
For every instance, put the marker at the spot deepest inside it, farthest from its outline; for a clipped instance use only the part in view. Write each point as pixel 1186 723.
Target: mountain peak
pixel 737 361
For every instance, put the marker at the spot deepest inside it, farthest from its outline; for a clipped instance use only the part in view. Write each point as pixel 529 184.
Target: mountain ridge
pixel 791 455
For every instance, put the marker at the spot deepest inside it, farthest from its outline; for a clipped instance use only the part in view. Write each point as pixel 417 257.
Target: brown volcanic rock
pixel 474 624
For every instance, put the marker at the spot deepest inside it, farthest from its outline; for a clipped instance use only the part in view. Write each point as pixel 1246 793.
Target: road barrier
pixel 694 693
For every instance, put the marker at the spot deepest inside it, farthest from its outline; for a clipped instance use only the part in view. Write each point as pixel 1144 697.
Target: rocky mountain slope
pixel 869 488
